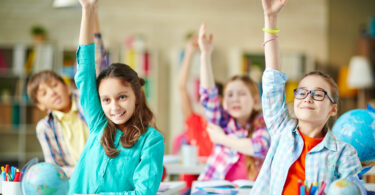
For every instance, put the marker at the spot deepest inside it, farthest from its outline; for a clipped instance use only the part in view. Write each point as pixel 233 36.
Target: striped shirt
pixel 55 148
pixel 222 158
pixel 330 160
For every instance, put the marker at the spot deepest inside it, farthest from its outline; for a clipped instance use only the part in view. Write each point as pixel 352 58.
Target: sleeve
pixel 260 139
pixel 350 166
pixel 101 55
pixel 48 151
pixel 274 107
pixel 51 154
pixel 85 79
pixel 148 173
pixel 213 111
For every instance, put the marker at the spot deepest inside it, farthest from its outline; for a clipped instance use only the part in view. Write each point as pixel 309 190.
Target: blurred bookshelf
pixel 18 116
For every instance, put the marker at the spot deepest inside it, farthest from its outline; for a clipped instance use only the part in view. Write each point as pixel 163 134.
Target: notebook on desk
pixel 221 187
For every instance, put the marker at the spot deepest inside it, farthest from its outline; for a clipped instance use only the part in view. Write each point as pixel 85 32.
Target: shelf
pixel 18 116
pixel 9 156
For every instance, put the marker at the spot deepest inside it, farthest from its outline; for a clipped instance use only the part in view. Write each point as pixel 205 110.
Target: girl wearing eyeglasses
pixel 302 149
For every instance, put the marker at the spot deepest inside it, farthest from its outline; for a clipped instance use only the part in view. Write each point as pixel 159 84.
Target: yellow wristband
pixel 271 31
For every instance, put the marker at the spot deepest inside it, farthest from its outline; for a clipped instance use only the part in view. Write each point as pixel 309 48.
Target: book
pixel 222 187
pixel 222 184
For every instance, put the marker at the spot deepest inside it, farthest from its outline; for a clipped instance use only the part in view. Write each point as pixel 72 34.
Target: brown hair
pixel 142 117
pixel 254 91
pixel 41 77
pixel 333 91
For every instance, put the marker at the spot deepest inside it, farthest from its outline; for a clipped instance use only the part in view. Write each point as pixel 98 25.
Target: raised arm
pixel 85 77
pixel 86 32
pixel 205 45
pixel 101 55
pixel 271 9
pixel 191 48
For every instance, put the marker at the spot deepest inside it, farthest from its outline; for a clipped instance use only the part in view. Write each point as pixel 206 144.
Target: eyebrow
pixel 125 92
pixel 317 88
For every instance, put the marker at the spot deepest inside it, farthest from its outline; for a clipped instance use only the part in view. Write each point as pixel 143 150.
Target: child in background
pixel 303 148
pixel 195 124
pixel 242 144
pixel 124 153
pixel 55 132
pixel 62 134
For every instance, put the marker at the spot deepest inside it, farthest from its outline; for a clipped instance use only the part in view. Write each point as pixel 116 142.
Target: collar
pixel 329 142
pixel 117 138
pixel 59 115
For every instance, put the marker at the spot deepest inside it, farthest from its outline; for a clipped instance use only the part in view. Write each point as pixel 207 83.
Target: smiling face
pixel 118 100
pixel 238 100
pixel 312 111
pixel 53 95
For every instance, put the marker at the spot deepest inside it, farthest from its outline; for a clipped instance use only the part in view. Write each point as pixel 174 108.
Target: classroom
pixel 176 115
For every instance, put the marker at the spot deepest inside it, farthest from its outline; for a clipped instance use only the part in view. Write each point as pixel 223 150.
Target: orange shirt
pixel 297 170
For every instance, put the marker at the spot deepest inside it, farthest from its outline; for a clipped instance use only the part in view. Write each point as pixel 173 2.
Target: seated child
pixel 303 148
pixel 63 132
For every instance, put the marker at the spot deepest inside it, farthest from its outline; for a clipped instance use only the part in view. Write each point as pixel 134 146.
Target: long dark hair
pixel 141 118
pixel 255 124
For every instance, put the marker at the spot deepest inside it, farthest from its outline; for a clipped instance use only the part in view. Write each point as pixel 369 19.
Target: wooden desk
pixel 174 187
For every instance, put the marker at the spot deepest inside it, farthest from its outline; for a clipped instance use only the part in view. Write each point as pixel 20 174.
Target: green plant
pixel 38 30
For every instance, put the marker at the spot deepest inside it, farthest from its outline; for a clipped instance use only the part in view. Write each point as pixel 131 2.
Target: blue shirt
pixel 328 161
pixel 136 170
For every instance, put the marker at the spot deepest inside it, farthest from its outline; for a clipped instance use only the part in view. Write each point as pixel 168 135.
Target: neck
pixel 311 130
pixel 68 107
pixel 243 121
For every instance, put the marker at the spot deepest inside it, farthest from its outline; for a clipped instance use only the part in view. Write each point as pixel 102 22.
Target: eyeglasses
pixel 317 95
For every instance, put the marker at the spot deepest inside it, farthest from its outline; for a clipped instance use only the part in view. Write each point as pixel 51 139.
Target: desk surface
pixel 177 168
pixel 369 187
pixel 173 187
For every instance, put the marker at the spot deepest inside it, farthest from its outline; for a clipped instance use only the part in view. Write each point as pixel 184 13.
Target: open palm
pixel 205 43
pixel 272 7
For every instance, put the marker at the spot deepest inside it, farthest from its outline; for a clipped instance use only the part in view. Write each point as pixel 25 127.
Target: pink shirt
pixel 238 170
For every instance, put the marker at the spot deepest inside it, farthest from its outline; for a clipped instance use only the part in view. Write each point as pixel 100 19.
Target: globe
pixel 357 127
pixel 343 187
pixel 45 178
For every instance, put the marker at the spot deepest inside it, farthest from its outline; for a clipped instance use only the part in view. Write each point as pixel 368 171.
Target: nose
pixel 51 91
pixel 309 97
pixel 115 106
pixel 235 97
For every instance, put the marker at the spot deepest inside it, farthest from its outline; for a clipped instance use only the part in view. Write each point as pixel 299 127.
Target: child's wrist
pixel 270 22
pixel 206 53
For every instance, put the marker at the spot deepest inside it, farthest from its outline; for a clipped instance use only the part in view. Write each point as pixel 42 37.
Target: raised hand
pixel 205 43
pixel 192 45
pixel 88 3
pixel 273 7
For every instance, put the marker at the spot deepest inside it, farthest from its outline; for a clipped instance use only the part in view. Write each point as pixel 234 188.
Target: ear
pixel 333 110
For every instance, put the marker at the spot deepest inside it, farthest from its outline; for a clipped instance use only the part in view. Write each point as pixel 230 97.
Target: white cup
pixel 11 188
pixel 189 155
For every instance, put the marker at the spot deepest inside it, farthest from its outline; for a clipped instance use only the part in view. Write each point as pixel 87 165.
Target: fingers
pixel 202 31
pixel 211 37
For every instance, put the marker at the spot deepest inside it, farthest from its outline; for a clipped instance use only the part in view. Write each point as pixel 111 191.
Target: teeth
pixel 117 115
